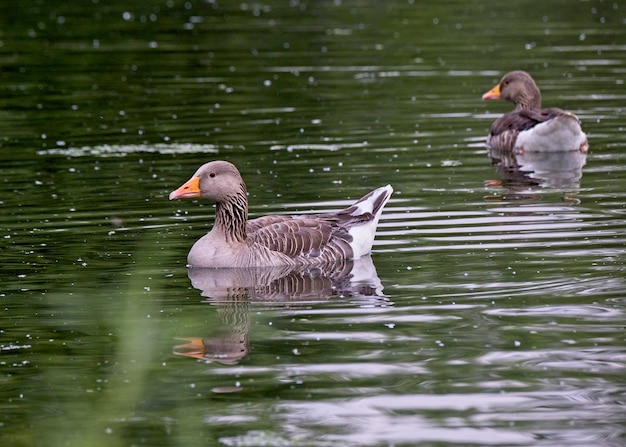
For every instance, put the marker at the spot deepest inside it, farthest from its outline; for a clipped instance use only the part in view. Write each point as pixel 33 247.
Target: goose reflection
pixel 231 291
pixel 529 170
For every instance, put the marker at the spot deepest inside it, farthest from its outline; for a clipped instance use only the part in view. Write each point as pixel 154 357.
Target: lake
pixel 492 308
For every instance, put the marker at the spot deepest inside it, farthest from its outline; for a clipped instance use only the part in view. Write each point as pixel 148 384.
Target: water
pixel 495 314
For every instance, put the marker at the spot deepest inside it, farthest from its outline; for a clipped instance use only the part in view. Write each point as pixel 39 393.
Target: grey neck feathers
pixel 231 216
pixel 529 100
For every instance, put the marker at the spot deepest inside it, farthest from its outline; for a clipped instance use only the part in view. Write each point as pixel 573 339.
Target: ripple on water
pixel 580 312
pixel 122 150
pixel 574 359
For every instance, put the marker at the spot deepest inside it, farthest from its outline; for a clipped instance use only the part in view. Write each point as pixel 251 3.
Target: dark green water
pixel 496 314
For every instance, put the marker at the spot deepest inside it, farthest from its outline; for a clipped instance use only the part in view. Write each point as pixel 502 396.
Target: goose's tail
pixel 363 217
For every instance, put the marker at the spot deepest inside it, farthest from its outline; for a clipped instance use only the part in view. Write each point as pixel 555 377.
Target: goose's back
pixel 300 237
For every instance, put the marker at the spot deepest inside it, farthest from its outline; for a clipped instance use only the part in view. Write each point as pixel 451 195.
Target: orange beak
pixel 494 93
pixel 195 348
pixel 190 189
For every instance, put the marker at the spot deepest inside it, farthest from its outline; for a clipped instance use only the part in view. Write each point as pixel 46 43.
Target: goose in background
pixel 529 127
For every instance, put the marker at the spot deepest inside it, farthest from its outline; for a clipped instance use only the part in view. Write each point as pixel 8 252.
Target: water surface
pixel 491 311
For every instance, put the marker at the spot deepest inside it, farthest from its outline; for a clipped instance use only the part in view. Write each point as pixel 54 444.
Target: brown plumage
pixel 312 240
pixel 529 127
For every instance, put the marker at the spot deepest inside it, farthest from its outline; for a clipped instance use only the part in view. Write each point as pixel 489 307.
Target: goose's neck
pixel 231 217
pixel 529 100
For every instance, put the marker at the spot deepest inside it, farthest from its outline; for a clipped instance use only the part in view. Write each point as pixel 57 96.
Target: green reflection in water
pixel 513 306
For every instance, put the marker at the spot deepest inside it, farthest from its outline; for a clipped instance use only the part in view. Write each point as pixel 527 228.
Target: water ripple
pixel 122 150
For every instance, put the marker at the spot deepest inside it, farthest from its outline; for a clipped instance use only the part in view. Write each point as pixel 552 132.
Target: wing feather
pixel 521 120
pixel 292 236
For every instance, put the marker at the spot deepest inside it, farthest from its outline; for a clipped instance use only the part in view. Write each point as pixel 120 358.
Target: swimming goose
pixel 310 240
pixel 529 127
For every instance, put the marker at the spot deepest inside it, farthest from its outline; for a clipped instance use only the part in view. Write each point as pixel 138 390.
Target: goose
pixel 529 127
pixel 277 240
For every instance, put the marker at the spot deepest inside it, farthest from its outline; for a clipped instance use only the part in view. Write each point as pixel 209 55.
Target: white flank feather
pixel 560 134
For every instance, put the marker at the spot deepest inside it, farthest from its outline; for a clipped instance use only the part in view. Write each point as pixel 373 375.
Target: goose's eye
pixel 212 174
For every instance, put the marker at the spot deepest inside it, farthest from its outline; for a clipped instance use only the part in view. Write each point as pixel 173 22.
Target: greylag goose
pixel 529 127
pixel 309 241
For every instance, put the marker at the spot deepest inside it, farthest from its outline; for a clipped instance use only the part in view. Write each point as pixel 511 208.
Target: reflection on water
pixel 227 343
pixel 231 291
pixel 346 277
pixel 523 171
